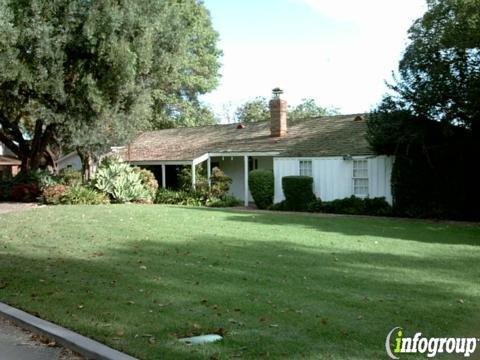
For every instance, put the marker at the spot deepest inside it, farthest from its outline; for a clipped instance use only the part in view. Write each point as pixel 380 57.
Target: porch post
pixel 245 171
pixel 164 176
pixel 194 180
pixel 209 171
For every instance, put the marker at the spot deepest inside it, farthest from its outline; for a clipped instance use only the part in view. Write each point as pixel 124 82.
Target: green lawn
pixel 286 286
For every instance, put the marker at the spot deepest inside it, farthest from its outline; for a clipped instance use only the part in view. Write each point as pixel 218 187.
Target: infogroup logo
pixel 397 343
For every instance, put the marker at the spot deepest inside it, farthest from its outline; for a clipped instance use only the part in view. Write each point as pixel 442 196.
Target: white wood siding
pixel 333 176
pixel 233 167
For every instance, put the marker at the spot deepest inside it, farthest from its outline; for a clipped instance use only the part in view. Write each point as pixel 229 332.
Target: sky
pixel 338 52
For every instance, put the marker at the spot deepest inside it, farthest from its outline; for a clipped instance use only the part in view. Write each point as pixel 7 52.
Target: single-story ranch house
pixel 331 149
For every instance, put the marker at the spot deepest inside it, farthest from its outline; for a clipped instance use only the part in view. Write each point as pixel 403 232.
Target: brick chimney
pixel 278 114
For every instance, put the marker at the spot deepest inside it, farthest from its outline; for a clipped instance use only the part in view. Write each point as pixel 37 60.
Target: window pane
pixel 360 169
pixel 360 187
pixel 305 167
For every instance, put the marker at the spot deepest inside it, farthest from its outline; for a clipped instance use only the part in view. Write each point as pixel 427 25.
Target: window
pixel 360 178
pixel 305 167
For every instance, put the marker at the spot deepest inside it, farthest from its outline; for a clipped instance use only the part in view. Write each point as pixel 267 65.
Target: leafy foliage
pixel 258 110
pixel 225 201
pixel 120 181
pixel 70 177
pixel 185 179
pixel 308 109
pixel 53 194
pixel 148 180
pixel 181 197
pixel 83 195
pixel 215 196
pixel 220 183
pixel 93 73
pixel 298 192
pixel 24 192
pixel 351 205
pixel 261 184
pixel 253 110
pixel 431 123
pixel 440 69
pixel 39 179
pixel 357 206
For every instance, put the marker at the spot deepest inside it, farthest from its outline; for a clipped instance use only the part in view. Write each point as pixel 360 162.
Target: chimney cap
pixel 277 92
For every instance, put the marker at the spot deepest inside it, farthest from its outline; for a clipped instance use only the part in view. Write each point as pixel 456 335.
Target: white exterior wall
pixel 72 161
pixel 333 176
pixel 233 167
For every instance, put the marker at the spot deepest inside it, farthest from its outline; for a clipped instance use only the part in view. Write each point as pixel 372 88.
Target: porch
pixel 235 165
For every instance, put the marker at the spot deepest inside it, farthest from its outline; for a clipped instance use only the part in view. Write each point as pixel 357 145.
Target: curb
pixel 89 348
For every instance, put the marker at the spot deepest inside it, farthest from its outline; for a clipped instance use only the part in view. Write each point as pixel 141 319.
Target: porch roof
pixel 323 136
pixel 9 160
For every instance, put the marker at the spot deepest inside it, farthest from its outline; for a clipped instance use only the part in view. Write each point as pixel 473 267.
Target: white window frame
pixel 301 169
pixel 360 174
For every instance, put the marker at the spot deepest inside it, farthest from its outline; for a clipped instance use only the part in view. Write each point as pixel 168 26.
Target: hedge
pixel 261 184
pixel 298 191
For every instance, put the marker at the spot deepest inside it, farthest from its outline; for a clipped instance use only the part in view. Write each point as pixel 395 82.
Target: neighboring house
pixel 70 160
pixel 332 149
pixel 9 163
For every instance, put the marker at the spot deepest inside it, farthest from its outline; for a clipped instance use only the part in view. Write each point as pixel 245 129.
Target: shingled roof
pixel 323 136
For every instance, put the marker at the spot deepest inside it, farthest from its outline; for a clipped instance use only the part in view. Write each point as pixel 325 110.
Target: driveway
pixel 19 344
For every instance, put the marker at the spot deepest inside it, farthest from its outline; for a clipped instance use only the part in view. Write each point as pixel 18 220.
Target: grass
pixel 285 286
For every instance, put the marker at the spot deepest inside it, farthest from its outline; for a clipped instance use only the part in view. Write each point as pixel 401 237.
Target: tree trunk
pixel 33 152
pixel 86 159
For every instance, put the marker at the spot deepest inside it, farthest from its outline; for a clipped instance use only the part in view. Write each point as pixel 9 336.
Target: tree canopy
pixel 431 121
pixel 94 73
pixel 258 110
pixel 439 74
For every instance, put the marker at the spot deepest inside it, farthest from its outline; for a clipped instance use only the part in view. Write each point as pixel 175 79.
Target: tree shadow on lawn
pixel 279 299
pixel 394 228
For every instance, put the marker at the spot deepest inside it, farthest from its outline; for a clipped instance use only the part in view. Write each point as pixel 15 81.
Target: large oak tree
pixel 93 73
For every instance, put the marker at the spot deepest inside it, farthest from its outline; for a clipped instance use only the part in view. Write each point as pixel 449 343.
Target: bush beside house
pixel 202 195
pixel 261 184
pixel 298 192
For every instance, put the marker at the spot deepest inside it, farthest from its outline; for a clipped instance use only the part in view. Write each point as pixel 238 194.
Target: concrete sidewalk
pixel 19 344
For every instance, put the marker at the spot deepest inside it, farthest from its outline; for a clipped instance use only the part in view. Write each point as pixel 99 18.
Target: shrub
pixel 298 191
pixel 120 181
pixel 315 205
pixel 220 183
pixel 53 194
pixel 351 205
pixel 280 206
pixel 378 206
pixel 226 201
pixel 24 192
pixel 83 195
pixel 357 206
pixel 70 177
pixel 261 184
pixel 171 197
pixel 185 179
pixel 148 180
pixel 6 188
